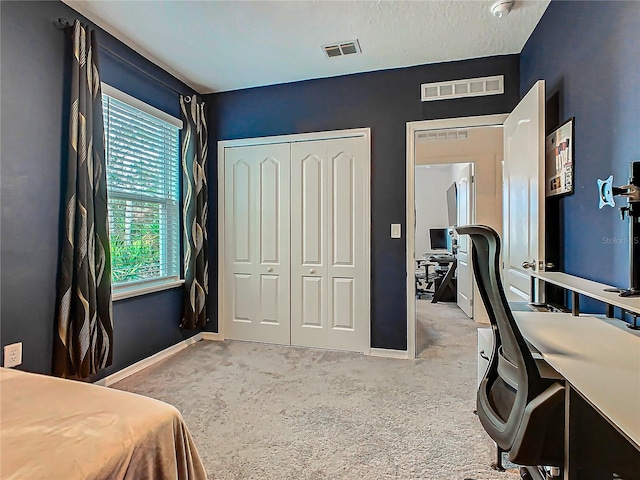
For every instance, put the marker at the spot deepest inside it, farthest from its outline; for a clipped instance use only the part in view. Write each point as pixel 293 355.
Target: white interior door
pixel 464 183
pixel 523 194
pixel 256 228
pixel 329 276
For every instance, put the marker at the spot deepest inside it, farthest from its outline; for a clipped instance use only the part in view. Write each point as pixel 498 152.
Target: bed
pixel 61 429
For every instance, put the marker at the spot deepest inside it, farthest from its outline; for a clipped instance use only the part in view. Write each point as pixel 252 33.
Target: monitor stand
pixel 632 210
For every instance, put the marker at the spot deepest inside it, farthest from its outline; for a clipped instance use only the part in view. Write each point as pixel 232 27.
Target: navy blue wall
pixel 34 113
pixel 383 101
pixel 588 53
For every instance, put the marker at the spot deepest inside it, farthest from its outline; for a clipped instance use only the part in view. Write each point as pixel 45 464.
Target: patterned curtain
pixel 194 168
pixel 84 328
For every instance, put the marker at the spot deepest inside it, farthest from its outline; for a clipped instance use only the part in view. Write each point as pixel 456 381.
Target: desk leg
pixel 446 285
pixel 609 311
pixel 575 304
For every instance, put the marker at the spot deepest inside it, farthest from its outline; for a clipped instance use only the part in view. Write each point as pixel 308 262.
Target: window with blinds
pixel 142 156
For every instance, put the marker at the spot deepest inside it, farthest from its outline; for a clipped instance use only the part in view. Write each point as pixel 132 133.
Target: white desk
pixel 599 357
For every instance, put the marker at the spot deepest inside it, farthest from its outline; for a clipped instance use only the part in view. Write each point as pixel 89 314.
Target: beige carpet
pixel 261 411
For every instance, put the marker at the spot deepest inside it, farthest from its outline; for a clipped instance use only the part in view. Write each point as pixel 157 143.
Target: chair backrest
pixel 512 378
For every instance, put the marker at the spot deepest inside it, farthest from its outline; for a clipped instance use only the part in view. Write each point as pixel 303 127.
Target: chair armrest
pixel 539 417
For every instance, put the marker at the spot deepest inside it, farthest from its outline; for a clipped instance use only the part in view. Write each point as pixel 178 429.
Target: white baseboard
pixel 161 355
pixel 147 362
pixel 213 336
pixel 388 353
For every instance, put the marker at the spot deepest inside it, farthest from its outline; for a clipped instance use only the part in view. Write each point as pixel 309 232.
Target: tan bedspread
pixel 54 429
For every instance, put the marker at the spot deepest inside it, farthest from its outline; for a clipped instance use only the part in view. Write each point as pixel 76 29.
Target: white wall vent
pixel 341 48
pixel 434 135
pixel 469 87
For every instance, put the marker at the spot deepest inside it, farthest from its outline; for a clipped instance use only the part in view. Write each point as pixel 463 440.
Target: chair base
pixel 537 473
pixel 498 465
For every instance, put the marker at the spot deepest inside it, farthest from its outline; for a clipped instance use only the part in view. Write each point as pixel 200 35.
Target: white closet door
pixel 256 224
pixel 329 284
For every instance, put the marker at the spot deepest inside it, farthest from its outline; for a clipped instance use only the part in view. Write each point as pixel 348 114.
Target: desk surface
pixel 599 357
pixel 590 288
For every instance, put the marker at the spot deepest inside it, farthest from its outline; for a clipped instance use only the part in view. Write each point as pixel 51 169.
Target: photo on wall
pixel 559 166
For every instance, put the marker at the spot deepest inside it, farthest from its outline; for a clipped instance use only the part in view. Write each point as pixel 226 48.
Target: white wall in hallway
pixel 432 182
pixel 483 147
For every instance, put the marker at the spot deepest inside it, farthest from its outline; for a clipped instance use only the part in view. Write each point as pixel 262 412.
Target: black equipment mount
pixel 632 211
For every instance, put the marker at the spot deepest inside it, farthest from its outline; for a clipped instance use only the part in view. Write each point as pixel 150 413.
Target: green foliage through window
pixel 142 179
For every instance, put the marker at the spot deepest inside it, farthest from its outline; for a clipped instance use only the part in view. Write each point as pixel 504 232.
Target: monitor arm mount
pixel 632 210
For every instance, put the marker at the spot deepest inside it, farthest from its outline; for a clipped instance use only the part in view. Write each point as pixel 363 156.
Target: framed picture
pixel 559 168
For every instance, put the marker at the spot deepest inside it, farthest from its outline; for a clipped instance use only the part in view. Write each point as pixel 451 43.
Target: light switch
pixel 396 230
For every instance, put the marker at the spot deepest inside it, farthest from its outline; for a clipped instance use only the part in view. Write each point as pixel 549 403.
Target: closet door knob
pixel 312 271
pixel 269 269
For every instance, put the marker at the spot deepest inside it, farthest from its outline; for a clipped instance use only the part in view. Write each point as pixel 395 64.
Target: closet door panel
pixel 311 209
pixel 347 272
pixel 343 304
pixel 312 303
pixel 270 211
pixel 256 228
pixel 308 244
pixel 241 206
pixel 343 210
pixel 328 193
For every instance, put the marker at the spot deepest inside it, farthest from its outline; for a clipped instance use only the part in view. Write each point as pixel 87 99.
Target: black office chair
pixel 522 412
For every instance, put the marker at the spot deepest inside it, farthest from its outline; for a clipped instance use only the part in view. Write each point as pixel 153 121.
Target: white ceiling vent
pixel 469 87
pixel 342 48
pixel 434 135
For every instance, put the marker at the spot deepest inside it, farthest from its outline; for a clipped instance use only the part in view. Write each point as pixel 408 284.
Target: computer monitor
pixel 438 238
pixel 441 239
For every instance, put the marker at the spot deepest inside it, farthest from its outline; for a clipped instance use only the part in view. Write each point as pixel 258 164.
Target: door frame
pixel 298 137
pixel 412 129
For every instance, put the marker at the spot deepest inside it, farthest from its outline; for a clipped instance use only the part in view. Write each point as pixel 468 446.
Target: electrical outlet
pixel 13 355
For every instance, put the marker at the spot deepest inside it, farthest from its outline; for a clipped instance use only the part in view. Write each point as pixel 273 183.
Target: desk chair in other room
pixel 424 280
pixel 522 412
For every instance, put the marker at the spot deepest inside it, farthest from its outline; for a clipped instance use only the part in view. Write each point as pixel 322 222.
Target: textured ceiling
pixel 228 45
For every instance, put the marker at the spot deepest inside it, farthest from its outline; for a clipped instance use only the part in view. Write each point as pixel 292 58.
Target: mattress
pixel 62 429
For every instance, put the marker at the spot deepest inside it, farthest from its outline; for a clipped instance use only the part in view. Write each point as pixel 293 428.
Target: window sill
pixel 129 291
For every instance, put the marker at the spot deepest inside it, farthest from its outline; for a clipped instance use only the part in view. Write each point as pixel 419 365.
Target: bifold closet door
pixel 256 232
pixel 329 290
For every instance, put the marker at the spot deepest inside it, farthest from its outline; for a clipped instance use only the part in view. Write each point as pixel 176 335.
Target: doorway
pixel 468 148
pixel 444 288
pixel 444 200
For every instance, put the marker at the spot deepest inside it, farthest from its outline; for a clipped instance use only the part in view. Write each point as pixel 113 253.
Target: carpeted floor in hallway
pixel 260 411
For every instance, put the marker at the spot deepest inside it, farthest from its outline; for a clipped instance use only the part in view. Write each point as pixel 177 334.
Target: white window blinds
pixel 142 156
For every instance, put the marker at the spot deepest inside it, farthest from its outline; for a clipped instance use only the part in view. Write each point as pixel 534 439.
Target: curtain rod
pixel 64 24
